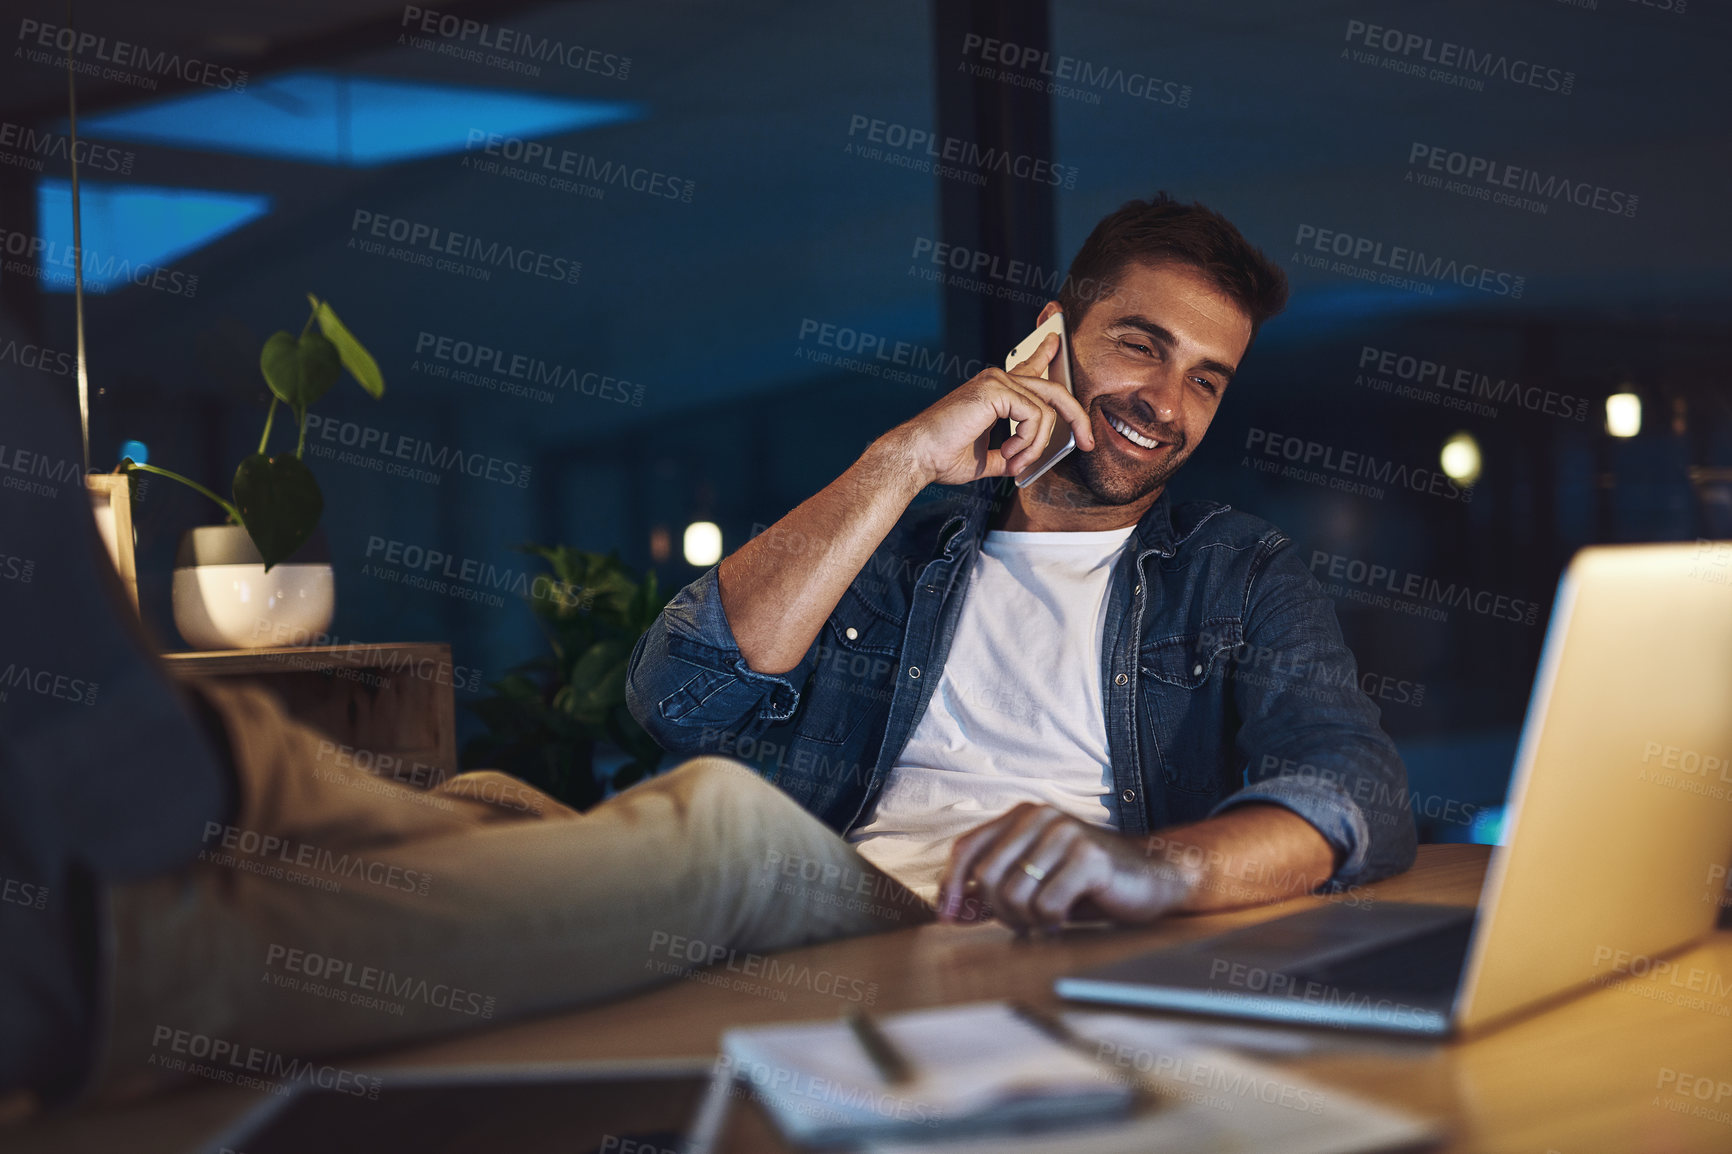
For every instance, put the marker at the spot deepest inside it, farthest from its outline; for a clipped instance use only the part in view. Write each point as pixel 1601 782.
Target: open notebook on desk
pixel 981 1066
pixel 985 1079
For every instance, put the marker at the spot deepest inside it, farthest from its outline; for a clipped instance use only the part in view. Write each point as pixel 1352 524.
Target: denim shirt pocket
pixel 855 671
pixel 1185 693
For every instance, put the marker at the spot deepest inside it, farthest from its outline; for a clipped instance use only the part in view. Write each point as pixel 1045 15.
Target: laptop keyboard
pixel 1427 963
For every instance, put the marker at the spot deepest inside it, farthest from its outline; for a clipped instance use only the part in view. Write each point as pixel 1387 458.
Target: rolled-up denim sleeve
pixel 687 682
pixel 1309 737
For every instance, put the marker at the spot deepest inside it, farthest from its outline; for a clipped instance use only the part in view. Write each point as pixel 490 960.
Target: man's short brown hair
pixel 1161 230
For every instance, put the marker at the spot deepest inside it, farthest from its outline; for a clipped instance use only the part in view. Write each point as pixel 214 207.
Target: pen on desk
pixel 1049 1024
pixel 890 1062
pixel 1054 1027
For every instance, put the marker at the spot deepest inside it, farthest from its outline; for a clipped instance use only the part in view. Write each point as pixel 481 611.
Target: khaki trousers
pixel 340 911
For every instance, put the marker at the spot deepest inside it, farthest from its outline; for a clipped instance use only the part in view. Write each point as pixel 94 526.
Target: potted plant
pixel 262 573
pixel 547 715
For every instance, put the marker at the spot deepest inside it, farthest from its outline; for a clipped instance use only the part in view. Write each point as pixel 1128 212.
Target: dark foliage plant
pixel 546 716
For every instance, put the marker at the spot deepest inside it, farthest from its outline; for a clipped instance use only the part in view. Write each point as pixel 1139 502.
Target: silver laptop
pixel 1618 831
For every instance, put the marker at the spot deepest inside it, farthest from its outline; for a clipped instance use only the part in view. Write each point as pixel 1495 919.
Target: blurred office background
pixel 771 275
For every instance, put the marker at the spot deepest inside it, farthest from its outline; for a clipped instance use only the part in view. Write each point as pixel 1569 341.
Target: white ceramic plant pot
pixel 224 599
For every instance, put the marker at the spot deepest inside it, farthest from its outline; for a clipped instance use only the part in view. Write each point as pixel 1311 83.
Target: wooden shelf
pixel 394 701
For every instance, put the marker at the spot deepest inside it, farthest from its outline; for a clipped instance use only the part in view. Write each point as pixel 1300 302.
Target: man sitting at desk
pixel 999 697
pixel 1050 679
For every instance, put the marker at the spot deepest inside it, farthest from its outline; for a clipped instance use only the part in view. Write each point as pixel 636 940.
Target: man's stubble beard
pixel 1100 485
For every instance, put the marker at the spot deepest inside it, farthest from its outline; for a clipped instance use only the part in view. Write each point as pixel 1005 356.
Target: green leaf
pixel 355 357
pixel 280 502
pixel 591 667
pixel 299 372
pixel 280 361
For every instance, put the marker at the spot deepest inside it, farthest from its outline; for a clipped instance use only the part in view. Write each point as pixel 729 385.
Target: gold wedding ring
pixel 1033 871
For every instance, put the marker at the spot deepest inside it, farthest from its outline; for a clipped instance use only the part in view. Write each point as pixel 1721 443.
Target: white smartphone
pixel 1058 371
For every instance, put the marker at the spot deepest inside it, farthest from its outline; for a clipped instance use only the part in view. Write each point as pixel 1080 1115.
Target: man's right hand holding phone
pixel 948 440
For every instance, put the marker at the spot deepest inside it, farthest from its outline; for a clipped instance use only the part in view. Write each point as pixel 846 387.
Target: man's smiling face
pixel 1149 363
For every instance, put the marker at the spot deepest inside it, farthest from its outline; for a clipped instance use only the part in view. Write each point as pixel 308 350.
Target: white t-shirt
pixel 1017 715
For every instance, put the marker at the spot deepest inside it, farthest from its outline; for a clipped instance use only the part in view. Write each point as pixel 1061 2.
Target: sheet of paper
pixel 1210 1101
pixel 816 1078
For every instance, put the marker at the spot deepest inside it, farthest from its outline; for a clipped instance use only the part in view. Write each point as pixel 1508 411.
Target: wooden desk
pixel 1582 1076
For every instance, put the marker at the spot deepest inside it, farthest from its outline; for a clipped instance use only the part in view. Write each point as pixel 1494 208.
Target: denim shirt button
pixel 1136 590
pixel 1129 795
pixel 851 633
pixel 914 671
pixel 1197 672
pixel 1120 679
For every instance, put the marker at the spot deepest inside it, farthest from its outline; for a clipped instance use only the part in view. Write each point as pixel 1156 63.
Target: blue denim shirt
pixel 1224 676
